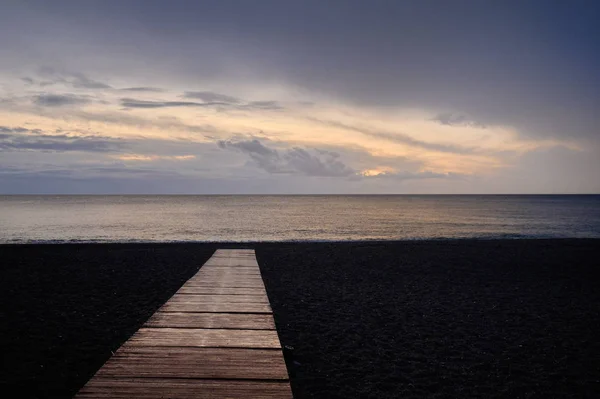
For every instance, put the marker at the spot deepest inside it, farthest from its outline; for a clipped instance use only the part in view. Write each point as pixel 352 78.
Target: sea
pixel 225 218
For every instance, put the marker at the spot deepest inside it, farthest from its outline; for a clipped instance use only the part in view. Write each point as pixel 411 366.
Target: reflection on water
pixel 283 218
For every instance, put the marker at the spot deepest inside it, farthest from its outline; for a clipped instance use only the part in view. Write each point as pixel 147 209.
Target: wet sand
pixel 460 318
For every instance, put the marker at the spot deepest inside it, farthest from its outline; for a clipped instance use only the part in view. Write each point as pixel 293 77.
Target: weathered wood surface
pixel 171 388
pixel 211 363
pixel 220 291
pixel 215 338
pixel 226 277
pixel 226 284
pixel 208 338
pixel 248 321
pixel 226 274
pixel 207 298
pixel 217 307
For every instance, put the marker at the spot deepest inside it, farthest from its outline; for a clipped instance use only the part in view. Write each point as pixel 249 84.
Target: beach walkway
pixel 215 338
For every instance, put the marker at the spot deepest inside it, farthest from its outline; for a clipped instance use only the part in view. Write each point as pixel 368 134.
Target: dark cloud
pixel 291 161
pixel 262 156
pixel 450 119
pixel 35 82
pixel 81 81
pixel 314 162
pixel 22 139
pixel 6 129
pixel 250 147
pixel 319 164
pixel 59 100
pixel 209 96
pixel 74 79
pixel 222 105
pixel 265 105
pixel 144 89
pixel 135 103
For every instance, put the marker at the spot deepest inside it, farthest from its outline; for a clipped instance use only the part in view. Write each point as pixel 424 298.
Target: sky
pixel 299 97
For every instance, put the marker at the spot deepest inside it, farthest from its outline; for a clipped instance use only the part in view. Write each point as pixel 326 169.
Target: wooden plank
pixel 209 277
pixel 238 256
pixel 162 388
pixel 190 298
pixel 237 269
pixel 235 252
pixel 217 307
pixel 220 291
pixel 215 338
pixel 194 300
pixel 189 362
pixel 234 256
pixel 230 270
pixel 240 270
pixel 213 275
pixel 225 284
pixel 247 321
pixel 227 276
pixel 231 262
pixel 218 274
pixel 226 273
pixel 227 279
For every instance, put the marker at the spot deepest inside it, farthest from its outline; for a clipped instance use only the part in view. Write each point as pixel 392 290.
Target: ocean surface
pixel 56 219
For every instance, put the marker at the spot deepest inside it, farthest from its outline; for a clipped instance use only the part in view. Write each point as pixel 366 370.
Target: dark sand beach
pixel 503 318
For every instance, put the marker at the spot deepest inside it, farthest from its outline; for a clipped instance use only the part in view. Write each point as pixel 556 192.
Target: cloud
pixel 87 170
pixel 401 138
pixel 144 89
pixel 74 79
pixel 135 103
pixel 318 162
pixel 29 81
pixel 153 157
pixel 59 100
pixel 5 129
pixel 450 119
pixel 409 175
pixel 22 139
pixel 266 105
pixel 81 81
pixel 209 96
pixel 210 100
pixel 291 161
pixel 123 118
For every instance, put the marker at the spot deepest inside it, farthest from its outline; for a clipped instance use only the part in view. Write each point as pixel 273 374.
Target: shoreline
pixel 412 318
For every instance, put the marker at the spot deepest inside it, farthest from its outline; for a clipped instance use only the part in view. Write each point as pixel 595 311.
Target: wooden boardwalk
pixel 215 338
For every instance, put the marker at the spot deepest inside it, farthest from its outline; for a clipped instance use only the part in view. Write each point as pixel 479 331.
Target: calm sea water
pixel 293 218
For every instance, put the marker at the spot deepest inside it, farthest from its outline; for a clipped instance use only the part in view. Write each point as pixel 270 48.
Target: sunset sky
pixel 299 97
